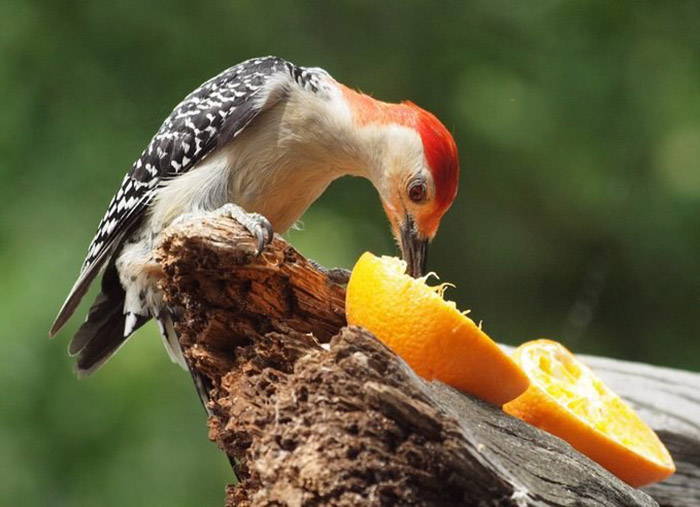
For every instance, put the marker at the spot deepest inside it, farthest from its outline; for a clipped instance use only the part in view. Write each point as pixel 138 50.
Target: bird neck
pixel 284 160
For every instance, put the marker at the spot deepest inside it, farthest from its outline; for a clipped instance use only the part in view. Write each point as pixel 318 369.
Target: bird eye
pixel 417 191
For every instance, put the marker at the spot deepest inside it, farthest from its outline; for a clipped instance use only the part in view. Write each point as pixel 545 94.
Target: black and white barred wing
pixel 210 116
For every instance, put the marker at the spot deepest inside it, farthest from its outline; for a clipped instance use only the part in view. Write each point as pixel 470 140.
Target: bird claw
pixel 341 276
pixel 259 227
pixel 262 230
pixel 255 223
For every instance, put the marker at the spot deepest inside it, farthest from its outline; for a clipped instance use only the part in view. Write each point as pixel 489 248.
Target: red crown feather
pixel 438 145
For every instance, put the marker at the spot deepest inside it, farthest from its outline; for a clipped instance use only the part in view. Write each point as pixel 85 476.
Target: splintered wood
pixel 347 423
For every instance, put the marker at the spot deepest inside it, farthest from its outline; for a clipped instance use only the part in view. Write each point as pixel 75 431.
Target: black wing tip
pixel 80 288
pixel 60 321
pixel 69 306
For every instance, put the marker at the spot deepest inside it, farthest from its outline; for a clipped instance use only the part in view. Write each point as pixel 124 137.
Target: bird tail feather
pixel 172 345
pixel 102 333
pixel 170 339
pixel 107 328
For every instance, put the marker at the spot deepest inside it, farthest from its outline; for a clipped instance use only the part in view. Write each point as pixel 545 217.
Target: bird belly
pixel 204 188
pixel 283 201
pixel 139 274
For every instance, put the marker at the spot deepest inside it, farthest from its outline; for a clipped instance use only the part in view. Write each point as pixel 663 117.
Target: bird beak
pixel 414 250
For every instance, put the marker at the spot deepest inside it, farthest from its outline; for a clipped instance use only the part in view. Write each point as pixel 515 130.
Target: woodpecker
pixel 259 142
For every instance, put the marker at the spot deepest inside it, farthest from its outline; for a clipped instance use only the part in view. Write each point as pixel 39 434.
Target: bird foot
pixel 255 223
pixel 341 276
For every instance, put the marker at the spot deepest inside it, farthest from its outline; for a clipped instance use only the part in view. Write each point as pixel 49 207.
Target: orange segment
pixel 566 399
pixel 429 333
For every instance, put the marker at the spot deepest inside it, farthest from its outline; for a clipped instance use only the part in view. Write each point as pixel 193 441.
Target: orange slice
pixel 430 334
pixel 566 399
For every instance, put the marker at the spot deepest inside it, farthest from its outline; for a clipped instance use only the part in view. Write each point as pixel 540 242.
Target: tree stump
pixel 316 413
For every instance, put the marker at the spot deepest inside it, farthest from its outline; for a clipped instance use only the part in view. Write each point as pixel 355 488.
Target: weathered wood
pixel 347 422
pixel 669 401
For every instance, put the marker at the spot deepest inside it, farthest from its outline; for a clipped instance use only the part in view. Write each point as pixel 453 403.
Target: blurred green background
pixel 578 216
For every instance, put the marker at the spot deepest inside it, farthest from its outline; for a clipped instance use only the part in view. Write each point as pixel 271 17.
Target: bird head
pixel 415 168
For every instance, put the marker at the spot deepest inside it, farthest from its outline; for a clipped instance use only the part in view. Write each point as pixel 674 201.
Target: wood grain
pixel 316 413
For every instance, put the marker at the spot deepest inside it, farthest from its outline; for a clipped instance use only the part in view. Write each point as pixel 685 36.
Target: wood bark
pixel 316 413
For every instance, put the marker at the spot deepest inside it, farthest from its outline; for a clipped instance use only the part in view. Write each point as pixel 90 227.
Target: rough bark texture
pixel 316 413
pixel 669 401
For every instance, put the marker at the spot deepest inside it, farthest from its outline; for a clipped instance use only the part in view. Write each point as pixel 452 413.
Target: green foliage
pixel 578 124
